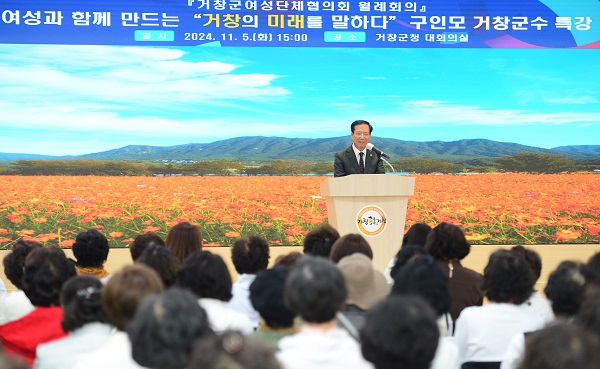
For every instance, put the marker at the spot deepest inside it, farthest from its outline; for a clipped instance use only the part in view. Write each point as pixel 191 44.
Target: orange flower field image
pixel 490 208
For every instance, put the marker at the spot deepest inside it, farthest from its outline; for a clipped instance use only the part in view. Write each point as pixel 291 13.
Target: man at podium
pixel 357 159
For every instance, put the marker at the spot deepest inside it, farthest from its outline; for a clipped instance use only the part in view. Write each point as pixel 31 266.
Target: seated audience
pixel 565 289
pixel 561 346
pixel 423 278
pixel 536 304
pixel 142 241
pixel 416 236
pixel 404 256
pixel 183 239
pixel 483 333
pixel 348 245
pixel 206 275
pixel 316 291
pixel 91 251
pixel 120 297
pixel 15 305
pixel 249 255
pixel 366 287
pixel 46 270
pixel 318 242
pixel 231 350
pixel 165 328
pixel 83 318
pixel 400 332
pixel 266 296
pixel 448 246
pixel 289 259
pixel 163 261
pixel 588 315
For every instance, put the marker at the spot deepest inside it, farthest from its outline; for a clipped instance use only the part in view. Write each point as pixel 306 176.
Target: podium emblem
pixel 371 220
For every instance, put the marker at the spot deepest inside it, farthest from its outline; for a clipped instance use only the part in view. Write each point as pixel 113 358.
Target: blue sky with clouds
pixel 69 100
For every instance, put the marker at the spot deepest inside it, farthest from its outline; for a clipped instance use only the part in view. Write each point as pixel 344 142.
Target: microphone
pixel 377 151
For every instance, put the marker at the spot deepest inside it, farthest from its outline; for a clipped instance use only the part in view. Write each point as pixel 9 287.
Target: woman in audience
pixel 83 318
pixel 366 287
pixel 536 304
pixel 142 241
pixel 415 237
pixel 348 245
pixel 46 270
pixel 400 332
pixel 316 291
pixel 318 241
pixel 249 255
pixel 565 289
pixel 91 251
pixel 423 278
pixel 448 246
pixel 404 256
pixel 561 346
pixel 483 333
pixel 163 261
pixel 121 297
pixel 207 276
pixel 266 296
pixel 231 350
pixel 15 305
pixel 165 328
pixel 183 239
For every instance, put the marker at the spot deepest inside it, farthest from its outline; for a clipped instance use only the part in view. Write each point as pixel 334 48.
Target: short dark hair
pixel 14 261
pixel 507 277
pixel 183 239
pixel 532 257
pixel 125 290
pixel 232 350
pixel 588 315
pixel 560 346
pixel 165 328
pixel 358 123
pixel 315 289
pixel 163 261
pixel 416 235
pixel 266 296
pixel 90 248
pixel 404 256
pixel 319 240
pixel 46 270
pixel 446 241
pixel 249 255
pixel 142 241
pixel 206 275
pixel 348 245
pixel 424 278
pixel 80 299
pixel 400 332
pixel 289 259
pixel 565 288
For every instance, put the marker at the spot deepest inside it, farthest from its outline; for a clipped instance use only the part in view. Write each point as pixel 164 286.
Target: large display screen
pixel 462 79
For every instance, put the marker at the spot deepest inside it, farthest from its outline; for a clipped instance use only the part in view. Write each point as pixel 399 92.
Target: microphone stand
pixel 388 163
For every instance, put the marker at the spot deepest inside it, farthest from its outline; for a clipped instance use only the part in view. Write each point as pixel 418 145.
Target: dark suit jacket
pixel 345 163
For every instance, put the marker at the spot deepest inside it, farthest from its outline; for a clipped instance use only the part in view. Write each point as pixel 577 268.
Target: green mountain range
pixel 321 149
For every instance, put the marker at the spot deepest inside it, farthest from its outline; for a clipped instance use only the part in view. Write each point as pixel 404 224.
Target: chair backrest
pixel 481 365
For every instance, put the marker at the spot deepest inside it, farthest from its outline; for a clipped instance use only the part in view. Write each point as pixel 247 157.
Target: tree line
pixel 520 162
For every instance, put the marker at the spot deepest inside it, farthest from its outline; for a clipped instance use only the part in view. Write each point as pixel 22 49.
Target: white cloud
pixel 574 100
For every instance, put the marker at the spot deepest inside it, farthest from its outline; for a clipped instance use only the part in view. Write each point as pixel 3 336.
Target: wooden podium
pixel 372 205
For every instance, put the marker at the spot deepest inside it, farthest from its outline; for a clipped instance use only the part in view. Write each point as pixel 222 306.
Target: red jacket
pixel 21 337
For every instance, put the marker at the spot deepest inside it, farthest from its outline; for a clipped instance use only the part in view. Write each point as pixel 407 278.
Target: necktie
pixel 361 162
